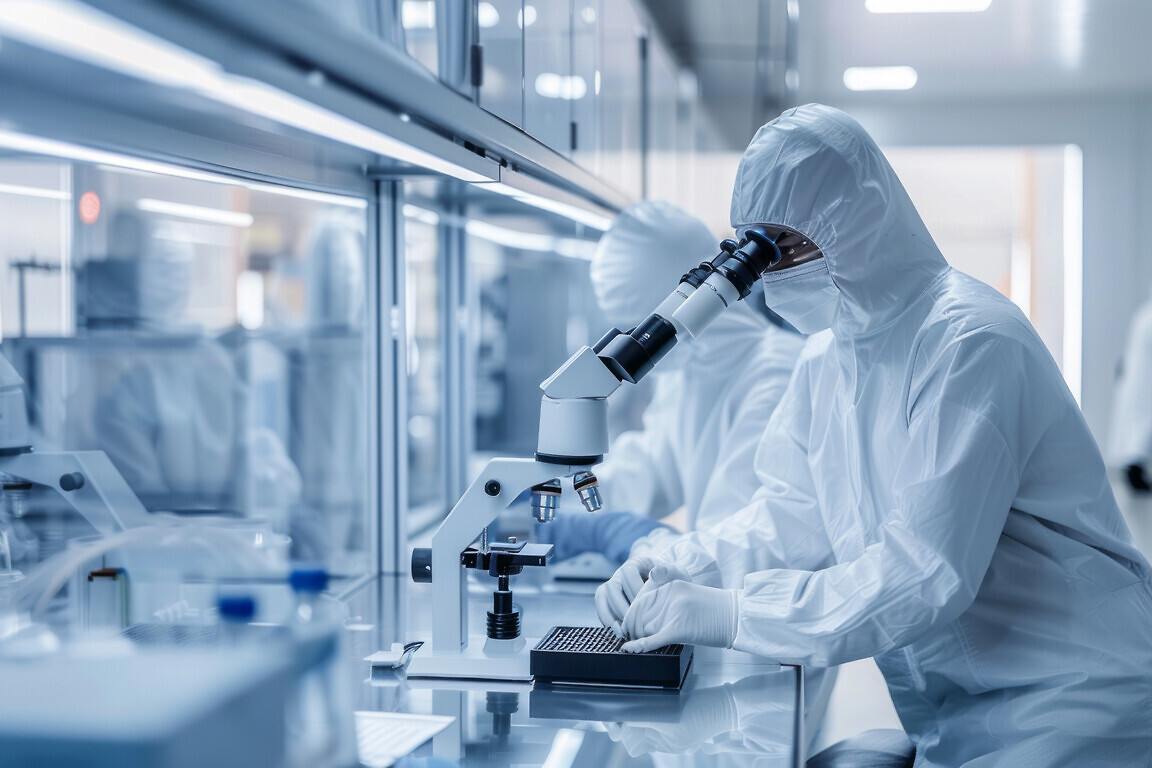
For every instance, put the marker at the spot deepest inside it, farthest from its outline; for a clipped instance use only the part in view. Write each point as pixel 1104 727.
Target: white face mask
pixel 804 295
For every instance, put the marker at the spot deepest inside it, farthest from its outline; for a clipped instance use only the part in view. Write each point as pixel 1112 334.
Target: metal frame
pixel 456 430
pixel 225 30
pixel 392 367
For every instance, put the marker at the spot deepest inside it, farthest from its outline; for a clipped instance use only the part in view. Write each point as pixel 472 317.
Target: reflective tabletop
pixel 734 708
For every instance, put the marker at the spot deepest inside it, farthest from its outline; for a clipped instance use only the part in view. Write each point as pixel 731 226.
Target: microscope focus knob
pixel 422 565
pixel 73 481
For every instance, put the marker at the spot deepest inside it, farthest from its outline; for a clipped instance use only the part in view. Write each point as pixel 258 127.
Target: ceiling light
pixel 418 14
pixel 927 6
pixel 22 191
pixel 879 78
pixel 195 212
pixel 526 17
pixel 568 87
pixel 487 15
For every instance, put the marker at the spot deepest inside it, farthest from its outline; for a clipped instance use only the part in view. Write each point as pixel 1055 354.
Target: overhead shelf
pixel 358 76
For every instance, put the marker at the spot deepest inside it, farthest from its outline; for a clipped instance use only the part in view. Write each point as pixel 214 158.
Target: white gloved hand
pixel 681 612
pixel 615 595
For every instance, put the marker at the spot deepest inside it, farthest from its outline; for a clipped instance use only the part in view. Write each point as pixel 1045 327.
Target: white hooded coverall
pixel 931 493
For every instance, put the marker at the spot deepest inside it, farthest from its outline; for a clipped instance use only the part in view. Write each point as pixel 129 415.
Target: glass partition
pixel 663 166
pixel 418 19
pixel 585 68
pixel 529 310
pixel 359 15
pixel 501 29
pixel 503 289
pixel 209 336
pixel 619 97
pixel 550 86
pixel 426 380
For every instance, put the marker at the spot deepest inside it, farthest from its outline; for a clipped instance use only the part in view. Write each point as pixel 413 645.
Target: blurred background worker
pixel 712 398
pixel 330 428
pixel 161 396
pixel 166 396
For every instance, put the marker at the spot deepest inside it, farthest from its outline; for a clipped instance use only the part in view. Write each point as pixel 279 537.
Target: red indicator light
pixel 89 207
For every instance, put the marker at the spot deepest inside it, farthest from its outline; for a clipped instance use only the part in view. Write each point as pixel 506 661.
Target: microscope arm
pixel 495 488
pixel 88 481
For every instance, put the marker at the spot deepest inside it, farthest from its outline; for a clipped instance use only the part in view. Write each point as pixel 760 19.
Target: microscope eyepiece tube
pixel 631 356
pixel 706 304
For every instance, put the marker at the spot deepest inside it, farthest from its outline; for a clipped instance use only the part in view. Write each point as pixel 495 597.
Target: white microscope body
pixel 573 437
pixel 87 480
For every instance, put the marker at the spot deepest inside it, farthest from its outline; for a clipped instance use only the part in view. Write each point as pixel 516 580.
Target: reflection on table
pixel 734 709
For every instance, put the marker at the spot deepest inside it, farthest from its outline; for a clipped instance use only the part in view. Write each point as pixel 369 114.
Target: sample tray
pixel 592 656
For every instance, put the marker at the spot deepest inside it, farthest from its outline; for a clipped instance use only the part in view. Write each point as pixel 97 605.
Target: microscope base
pixel 480 660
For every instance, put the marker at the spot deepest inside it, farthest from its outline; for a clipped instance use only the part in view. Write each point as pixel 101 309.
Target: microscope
pixel 573 437
pixel 87 480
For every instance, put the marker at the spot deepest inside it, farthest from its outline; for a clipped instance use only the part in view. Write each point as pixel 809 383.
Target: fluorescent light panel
pixel 567 210
pixel 423 215
pixel 879 78
pixel 510 238
pixel 551 85
pixel 22 191
pixel 927 6
pixel 112 161
pixel 81 33
pixel 195 212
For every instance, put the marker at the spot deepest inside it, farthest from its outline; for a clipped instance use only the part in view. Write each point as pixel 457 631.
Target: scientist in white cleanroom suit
pixel 711 402
pixel 931 493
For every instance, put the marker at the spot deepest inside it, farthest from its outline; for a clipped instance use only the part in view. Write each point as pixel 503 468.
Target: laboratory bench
pixel 734 708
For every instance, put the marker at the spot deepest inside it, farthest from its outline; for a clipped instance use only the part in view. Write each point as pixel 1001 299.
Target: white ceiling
pixel 1015 49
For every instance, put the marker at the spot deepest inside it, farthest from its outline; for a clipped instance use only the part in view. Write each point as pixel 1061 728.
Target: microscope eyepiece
pixel 631 355
pixel 743 266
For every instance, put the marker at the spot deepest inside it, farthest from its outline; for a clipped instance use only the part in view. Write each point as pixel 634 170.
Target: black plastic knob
pixel 72 481
pixel 422 565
